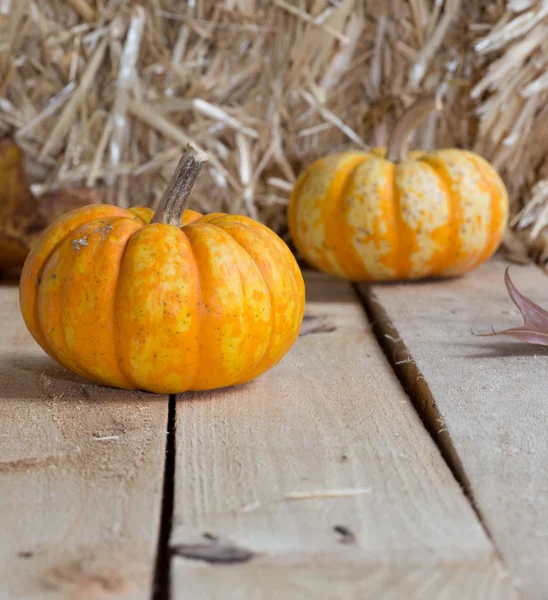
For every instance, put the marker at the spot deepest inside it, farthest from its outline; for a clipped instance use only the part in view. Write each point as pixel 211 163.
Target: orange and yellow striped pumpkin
pixel 361 216
pixel 132 300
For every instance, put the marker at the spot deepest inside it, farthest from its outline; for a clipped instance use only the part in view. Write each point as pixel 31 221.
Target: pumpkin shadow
pixel 224 394
pixel 502 349
pixel 20 367
pixel 428 281
pixel 39 377
pixel 326 289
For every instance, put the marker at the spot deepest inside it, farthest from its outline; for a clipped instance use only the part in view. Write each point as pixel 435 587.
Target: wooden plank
pixel 488 397
pixel 81 477
pixel 331 419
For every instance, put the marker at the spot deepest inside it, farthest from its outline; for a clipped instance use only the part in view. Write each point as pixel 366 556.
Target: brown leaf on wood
pixel 215 551
pixel 22 216
pixel 535 327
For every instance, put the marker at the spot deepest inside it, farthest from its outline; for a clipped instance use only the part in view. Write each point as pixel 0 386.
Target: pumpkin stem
pixel 172 204
pixel 399 140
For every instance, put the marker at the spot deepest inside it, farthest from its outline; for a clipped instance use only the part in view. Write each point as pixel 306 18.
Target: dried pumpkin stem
pixel 399 141
pixel 172 204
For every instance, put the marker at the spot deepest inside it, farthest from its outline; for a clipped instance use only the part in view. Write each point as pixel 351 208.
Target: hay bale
pixel 106 93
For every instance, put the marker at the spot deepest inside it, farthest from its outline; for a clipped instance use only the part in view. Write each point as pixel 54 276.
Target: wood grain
pixel 81 472
pixel 487 398
pixel 319 481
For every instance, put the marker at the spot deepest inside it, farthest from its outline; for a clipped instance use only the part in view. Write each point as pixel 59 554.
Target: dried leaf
pixel 52 205
pixel 535 327
pixel 214 551
pixel 12 252
pixel 22 216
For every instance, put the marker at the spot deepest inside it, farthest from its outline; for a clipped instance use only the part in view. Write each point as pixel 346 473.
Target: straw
pixel 108 93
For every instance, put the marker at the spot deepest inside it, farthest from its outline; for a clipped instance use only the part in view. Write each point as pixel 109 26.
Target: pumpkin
pixel 23 216
pixel 132 299
pixel 380 215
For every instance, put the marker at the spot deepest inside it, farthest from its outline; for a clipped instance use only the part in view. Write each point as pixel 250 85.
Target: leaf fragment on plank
pixel 535 326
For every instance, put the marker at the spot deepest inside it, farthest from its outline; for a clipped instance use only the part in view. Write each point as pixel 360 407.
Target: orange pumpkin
pixel 374 216
pixel 132 300
pixel 23 216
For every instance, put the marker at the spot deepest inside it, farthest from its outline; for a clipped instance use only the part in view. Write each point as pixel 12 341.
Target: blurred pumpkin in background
pixel 23 217
pixel 380 215
pixel 129 298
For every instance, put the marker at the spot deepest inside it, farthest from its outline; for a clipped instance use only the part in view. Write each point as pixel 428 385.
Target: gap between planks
pixel 163 555
pixel 415 385
pixel 331 416
pixel 491 395
pixel 418 390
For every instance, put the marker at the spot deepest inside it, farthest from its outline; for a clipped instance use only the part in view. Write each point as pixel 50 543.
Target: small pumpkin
pixel 23 216
pixel 131 299
pixel 378 215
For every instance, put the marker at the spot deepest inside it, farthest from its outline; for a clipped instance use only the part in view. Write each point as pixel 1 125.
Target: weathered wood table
pixel 413 468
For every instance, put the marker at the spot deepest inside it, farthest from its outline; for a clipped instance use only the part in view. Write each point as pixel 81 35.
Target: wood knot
pixel 347 535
